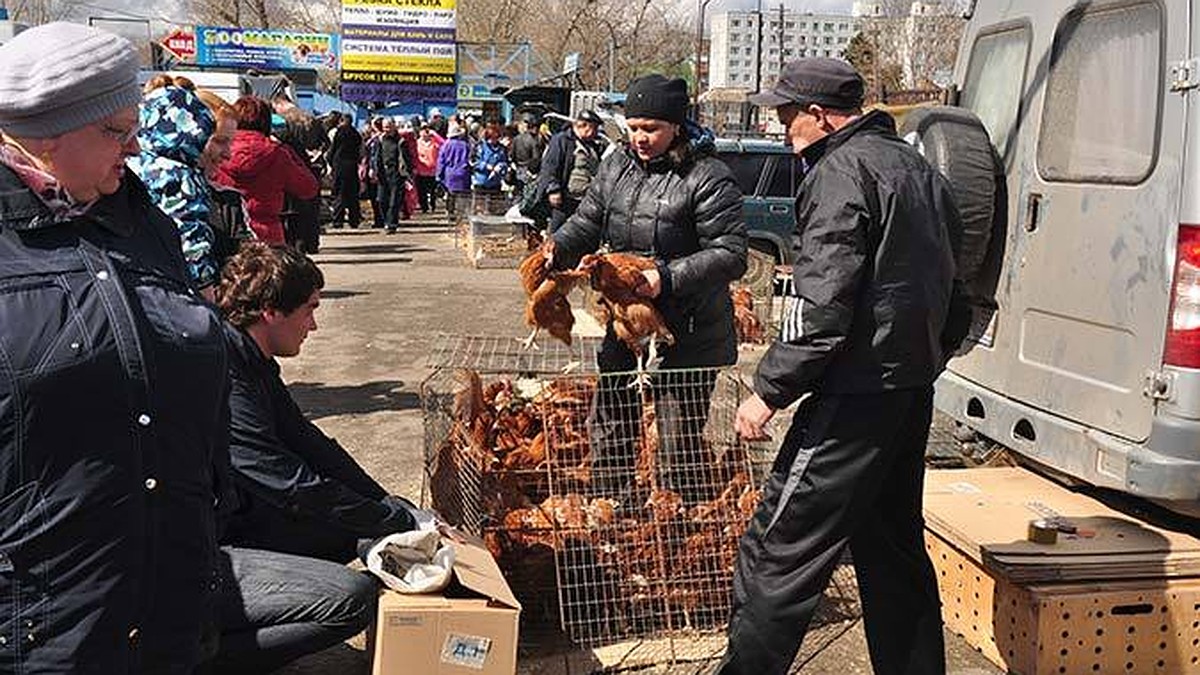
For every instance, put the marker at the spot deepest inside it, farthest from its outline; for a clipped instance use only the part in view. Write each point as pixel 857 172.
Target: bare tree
pixel 34 12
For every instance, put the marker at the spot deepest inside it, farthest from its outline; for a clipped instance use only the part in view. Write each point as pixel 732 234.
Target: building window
pixel 747 51
pixel 828 52
pixel 735 38
pixel 803 53
pixel 842 27
pixel 829 28
pixel 789 24
pixel 789 52
pixel 842 40
pixel 773 52
pixel 736 23
pixel 803 39
pixel 828 39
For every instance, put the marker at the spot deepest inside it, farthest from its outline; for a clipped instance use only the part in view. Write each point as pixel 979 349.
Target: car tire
pixel 957 144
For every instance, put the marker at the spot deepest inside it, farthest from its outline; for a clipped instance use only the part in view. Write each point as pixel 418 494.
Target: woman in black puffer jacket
pixel 666 196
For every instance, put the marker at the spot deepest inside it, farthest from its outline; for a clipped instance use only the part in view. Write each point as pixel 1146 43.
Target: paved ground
pixel 386 302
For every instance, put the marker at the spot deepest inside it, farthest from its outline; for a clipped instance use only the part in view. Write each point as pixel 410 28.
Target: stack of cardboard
pixel 1112 594
pixel 985 513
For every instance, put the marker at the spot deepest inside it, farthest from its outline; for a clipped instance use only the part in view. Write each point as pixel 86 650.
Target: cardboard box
pixel 437 635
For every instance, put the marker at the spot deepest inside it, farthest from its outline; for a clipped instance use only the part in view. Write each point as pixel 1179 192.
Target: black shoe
pixel 390 230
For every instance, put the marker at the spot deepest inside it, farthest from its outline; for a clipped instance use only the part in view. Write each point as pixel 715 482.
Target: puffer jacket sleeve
pixel 720 229
pixel 191 214
pixel 581 233
pixel 831 249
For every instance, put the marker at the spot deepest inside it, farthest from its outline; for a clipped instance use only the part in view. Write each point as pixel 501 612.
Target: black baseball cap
pixel 829 83
pixel 590 117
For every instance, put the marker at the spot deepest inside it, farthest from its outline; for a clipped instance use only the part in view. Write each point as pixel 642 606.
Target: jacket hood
pixel 251 154
pixel 701 139
pixel 175 125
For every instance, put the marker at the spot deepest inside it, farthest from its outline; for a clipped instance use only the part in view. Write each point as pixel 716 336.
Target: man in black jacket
pixel 527 150
pixel 863 341
pixel 392 168
pixel 571 161
pixel 345 151
pixel 298 491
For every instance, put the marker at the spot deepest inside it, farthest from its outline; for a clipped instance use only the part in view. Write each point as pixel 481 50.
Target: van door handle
pixel 1033 211
pixel 778 208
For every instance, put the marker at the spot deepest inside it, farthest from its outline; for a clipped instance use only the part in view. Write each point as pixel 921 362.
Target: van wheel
pixel 956 143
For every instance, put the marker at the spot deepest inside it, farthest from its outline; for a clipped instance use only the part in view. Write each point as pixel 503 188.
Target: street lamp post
pixel 703 4
pixel 612 52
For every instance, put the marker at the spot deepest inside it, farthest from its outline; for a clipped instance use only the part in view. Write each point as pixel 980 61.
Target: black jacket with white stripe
pixel 874 270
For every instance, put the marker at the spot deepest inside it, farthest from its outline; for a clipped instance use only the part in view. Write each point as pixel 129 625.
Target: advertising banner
pixel 270 49
pixel 398 50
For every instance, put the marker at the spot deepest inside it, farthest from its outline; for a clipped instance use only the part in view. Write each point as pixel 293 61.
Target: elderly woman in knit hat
pixel 112 379
pixel 667 197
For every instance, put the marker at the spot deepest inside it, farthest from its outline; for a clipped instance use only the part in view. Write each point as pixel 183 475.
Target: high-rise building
pixel 747 49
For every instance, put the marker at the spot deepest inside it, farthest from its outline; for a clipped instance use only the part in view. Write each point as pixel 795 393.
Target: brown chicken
pixel 749 329
pixel 635 319
pixel 546 305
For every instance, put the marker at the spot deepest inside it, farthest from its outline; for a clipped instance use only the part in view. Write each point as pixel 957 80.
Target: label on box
pixel 466 650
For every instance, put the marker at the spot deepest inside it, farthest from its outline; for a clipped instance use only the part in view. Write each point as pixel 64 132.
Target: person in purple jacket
pixel 454 165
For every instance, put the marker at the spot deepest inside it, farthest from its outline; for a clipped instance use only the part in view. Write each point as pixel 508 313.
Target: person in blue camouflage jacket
pixel 175 127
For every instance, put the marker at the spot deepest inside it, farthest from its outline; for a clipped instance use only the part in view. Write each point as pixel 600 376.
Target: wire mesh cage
pixel 753 296
pixel 614 504
pixel 485 407
pixel 650 510
pixel 497 241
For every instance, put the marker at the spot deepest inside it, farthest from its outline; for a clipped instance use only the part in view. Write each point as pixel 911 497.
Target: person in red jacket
pixel 264 170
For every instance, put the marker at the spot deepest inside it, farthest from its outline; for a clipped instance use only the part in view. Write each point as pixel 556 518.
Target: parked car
pixel 1088 361
pixel 769 175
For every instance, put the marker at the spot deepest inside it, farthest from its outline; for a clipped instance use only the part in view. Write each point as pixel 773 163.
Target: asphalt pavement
pixel 389 303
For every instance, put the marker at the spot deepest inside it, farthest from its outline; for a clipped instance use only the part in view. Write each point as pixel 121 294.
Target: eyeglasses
pixel 121 136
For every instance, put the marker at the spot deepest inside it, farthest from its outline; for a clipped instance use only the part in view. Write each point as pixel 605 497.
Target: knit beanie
pixel 61 76
pixel 656 97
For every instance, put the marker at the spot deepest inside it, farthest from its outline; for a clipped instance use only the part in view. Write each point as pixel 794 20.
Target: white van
pixel 1090 362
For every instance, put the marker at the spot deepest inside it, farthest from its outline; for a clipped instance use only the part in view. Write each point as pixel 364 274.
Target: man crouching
pixel 298 503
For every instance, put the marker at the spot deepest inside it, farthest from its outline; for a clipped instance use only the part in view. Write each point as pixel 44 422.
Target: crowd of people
pixel 165 506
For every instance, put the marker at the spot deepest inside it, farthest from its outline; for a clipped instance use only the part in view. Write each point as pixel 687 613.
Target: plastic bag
pixel 412 562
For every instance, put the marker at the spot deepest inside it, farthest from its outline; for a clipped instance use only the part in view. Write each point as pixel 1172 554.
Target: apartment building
pixel 747 49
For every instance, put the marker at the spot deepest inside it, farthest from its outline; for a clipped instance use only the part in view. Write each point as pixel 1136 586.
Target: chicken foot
pixel 530 342
pixel 642 379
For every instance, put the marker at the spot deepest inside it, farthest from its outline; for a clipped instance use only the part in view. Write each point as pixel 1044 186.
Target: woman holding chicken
pixel 668 198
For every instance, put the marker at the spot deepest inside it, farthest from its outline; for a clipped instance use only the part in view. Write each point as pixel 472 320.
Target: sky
pixel 163 8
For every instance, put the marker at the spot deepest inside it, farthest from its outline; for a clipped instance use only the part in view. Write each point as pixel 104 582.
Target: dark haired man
pixel 869 333
pixel 296 502
pixel 298 490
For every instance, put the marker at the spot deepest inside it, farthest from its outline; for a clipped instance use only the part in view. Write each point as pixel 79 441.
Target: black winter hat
pixel 656 97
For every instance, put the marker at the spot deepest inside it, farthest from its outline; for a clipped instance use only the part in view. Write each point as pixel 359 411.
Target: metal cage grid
pixel 649 515
pixel 614 509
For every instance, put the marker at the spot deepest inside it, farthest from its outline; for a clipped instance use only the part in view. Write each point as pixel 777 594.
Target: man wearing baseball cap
pixel 861 345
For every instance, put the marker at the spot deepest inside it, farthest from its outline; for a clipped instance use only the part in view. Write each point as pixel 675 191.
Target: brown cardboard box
pixel 435 635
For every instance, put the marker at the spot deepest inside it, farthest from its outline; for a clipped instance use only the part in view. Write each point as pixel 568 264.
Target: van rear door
pixel 1094 183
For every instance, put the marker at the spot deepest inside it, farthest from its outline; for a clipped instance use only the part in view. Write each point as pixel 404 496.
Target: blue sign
pixel 271 49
